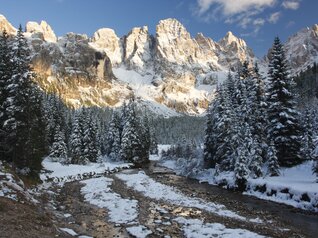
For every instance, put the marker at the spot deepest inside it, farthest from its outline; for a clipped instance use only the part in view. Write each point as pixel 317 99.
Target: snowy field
pixel 295 186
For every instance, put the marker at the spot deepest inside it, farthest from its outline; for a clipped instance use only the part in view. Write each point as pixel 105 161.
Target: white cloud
pixel 244 13
pixel 274 17
pixel 290 24
pixel 233 7
pixel 292 5
pixel 259 22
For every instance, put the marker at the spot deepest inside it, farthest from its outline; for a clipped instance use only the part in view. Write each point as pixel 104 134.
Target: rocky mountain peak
pixel 6 25
pixel 230 39
pixel 106 39
pixel 205 42
pixel 43 30
pixel 174 43
pixel 137 45
pixel 234 50
pixel 172 28
pixel 315 30
pixel 302 48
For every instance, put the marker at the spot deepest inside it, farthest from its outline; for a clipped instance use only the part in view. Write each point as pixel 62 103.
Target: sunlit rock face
pixel 302 48
pixel 42 30
pixel 6 25
pixel 106 40
pixel 168 69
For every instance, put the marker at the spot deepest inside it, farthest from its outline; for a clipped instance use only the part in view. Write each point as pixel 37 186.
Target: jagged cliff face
pixel 170 71
pixel 5 25
pixel 302 48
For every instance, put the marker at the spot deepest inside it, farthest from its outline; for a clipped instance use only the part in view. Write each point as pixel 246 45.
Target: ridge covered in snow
pixel 170 68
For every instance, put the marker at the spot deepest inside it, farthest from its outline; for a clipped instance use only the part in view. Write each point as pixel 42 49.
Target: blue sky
pixel 256 21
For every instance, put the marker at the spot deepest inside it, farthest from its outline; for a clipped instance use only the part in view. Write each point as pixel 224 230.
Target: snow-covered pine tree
pixel 308 140
pixel 55 115
pixel 210 133
pixel 260 113
pixel 284 128
pixel 24 110
pixel 113 138
pixel 153 149
pixel 225 130
pixel 230 85
pixel 76 141
pixel 5 76
pixel 273 165
pixel 241 170
pixel 145 134
pixel 37 135
pixel 243 157
pixel 90 143
pixel 253 118
pixel 132 149
pixel 58 151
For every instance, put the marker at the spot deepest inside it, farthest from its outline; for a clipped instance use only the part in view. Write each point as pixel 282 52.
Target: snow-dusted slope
pixel 302 48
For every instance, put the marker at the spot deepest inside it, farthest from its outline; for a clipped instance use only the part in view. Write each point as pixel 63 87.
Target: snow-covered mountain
pixel 302 48
pixel 169 72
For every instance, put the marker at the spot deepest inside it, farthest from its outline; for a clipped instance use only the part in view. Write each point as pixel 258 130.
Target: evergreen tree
pixel 260 117
pixel 273 166
pixel 307 141
pixel 241 170
pixel 284 128
pixel 153 148
pixel 210 134
pixel 24 126
pixel 224 133
pixel 76 142
pixel 132 149
pixel 5 76
pixel 55 115
pixel 145 135
pixel 113 139
pixel 58 149
pixel 90 140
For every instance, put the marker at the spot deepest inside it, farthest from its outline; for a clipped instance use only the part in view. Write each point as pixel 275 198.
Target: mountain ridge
pixel 169 69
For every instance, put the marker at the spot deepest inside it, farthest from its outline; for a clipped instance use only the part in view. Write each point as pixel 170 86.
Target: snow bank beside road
pixel 69 172
pixel 295 186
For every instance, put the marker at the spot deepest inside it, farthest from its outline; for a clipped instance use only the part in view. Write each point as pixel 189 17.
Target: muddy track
pixel 158 215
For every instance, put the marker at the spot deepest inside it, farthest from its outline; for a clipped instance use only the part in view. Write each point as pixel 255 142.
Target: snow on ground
pixel 152 189
pixel 60 171
pixel 11 188
pixel 194 228
pixel 139 231
pixel 69 231
pixel 295 186
pixel 160 149
pixel 97 191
